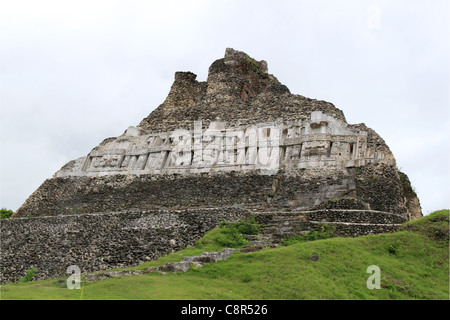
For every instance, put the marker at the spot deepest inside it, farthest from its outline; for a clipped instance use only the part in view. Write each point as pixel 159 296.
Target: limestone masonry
pixel 237 145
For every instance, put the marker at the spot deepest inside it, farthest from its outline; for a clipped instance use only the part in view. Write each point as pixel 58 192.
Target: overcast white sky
pixel 76 72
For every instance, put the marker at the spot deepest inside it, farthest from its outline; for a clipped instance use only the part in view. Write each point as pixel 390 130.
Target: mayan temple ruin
pixel 237 145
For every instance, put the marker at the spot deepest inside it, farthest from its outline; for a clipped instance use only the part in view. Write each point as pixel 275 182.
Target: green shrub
pixel 232 234
pixel 230 238
pixel 29 275
pixel 5 213
pixel 392 248
pixel 325 232
pixel 245 227
pixel 246 278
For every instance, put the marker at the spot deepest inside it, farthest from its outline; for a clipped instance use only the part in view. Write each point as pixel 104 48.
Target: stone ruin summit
pixel 238 145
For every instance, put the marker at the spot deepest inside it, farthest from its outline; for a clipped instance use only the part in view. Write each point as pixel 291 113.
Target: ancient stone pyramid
pixel 239 145
pixel 240 138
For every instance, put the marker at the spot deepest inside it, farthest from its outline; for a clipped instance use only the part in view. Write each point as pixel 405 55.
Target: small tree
pixel 5 213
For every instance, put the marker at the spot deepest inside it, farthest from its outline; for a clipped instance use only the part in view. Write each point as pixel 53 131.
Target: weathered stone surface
pixel 101 241
pixel 118 239
pixel 170 267
pixel 210 138
pixel 315 142
pixel 238 143
pixel 105 275
pixel 346 222
pixel 412 203
pixel 314 257
pixel 79 195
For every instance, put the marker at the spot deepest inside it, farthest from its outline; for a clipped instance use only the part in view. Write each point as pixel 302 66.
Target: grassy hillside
pixel 414 264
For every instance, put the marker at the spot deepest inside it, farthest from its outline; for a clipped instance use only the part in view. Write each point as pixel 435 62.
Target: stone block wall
pixel 101 241
pixel 353 223
pixel 79 195
pixel 355 216
pixel 380 186
pixel 375 187
pixel 346 223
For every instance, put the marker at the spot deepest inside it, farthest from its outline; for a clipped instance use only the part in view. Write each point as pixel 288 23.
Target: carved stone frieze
pixel 320 141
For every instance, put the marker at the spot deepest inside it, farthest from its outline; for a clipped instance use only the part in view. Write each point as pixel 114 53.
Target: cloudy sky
pixel 76 72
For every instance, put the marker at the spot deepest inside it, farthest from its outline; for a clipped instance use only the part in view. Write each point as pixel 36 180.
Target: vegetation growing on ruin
pixel 414 264
pixel 406 184
pixel 325 232
pixel 5 213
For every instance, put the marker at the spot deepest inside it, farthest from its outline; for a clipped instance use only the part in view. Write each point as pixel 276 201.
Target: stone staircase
pixel 278 226
pixel 347 223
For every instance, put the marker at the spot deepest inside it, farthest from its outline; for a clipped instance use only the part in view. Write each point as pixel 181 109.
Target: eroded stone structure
pixel 320 141
pixel 238 144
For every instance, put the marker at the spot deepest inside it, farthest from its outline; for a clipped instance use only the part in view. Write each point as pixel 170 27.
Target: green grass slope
pixel 413 264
